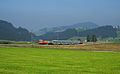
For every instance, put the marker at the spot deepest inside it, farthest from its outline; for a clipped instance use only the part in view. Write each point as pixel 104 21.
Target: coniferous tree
pixel 94 38
pixel 88 38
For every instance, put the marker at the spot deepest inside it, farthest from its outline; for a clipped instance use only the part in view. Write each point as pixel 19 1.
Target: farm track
pixel 83 47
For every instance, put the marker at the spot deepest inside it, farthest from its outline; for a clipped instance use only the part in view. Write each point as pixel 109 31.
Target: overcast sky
pixel 36 14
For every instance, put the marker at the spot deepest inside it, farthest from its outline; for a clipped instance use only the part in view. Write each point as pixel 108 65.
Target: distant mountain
pixel 102 32
pixel 85 25
pixel 9 32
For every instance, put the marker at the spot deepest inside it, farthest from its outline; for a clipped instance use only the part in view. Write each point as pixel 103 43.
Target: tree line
pixel 100 32
pixel 91 39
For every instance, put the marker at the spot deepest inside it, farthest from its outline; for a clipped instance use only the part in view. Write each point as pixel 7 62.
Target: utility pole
pixel 31 38
pixel 57 35
pixel 78 34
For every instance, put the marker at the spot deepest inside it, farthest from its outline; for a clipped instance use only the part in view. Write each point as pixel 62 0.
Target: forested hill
pixel 84 25
pixel 9 32
pixel 102 32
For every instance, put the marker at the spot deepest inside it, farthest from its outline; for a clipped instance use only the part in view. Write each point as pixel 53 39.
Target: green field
pixel 55 61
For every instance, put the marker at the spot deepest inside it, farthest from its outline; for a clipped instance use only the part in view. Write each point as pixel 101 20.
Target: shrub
pixel 4 42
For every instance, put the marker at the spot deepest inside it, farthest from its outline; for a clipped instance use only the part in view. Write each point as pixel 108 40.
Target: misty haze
pixel 59 36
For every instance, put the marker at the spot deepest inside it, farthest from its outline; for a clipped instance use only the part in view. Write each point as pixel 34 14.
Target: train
pixel 60 42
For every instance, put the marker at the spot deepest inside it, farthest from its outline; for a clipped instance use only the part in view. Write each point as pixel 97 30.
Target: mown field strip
pixel 48 61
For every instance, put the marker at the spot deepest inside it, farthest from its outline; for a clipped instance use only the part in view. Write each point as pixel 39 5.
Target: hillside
pixel 9 32
pixel 102 32
pixel 85 25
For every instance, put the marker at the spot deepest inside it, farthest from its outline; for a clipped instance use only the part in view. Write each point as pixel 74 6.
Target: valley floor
pixel 49 61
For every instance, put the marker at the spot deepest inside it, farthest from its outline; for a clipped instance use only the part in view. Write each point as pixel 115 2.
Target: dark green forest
pixel 9 32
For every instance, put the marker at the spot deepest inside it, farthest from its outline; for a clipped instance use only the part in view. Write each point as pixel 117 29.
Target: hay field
pixel 14 60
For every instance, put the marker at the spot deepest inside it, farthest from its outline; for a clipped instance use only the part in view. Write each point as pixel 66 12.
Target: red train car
pixel 60 42
pixel 42 42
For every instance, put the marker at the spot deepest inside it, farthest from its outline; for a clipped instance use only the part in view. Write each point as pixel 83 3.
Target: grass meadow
pixel 14 60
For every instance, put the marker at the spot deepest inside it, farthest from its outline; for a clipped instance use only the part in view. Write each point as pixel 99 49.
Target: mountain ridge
pixel 101 32
pixel 84 25
pixel 9 32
